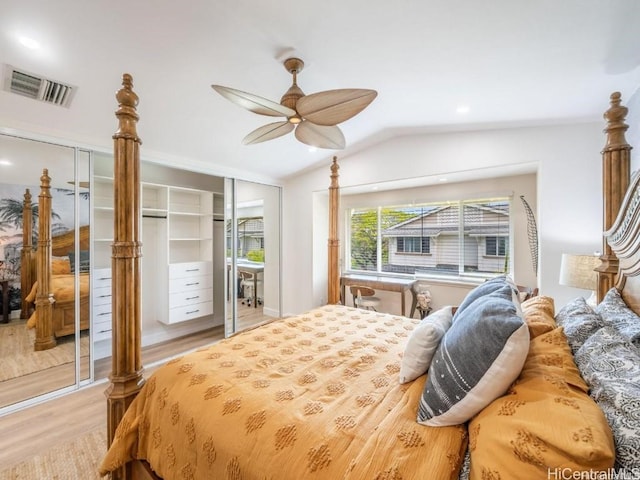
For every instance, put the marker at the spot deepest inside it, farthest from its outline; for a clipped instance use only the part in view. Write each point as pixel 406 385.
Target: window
pixel 445 238
pixel 496 246
pixel 413 244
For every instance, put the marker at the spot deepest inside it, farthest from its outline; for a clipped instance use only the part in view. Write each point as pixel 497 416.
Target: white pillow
pixel 422 344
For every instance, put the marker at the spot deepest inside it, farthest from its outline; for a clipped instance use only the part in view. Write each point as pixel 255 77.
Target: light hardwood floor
pixel 35 429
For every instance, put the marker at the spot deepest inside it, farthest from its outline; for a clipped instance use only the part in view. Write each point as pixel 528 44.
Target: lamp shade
pixel 578 271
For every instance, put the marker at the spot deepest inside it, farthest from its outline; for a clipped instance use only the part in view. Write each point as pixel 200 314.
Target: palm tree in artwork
pixel 11 215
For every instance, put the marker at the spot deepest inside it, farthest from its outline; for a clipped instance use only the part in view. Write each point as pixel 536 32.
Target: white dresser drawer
pixel 101 312
pixel 102 326
pixel 102 296
pixel 101 335
pixel 190 269
pixel 190 297
pixel 190 283
pixel 188 312
pixel 101 278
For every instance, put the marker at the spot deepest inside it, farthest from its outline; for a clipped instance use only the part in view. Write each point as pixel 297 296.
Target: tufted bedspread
pixel 314 396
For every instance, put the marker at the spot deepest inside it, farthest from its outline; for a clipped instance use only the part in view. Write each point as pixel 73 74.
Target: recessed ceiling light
pixel 5 163
pixel 462 109
pixel 28 42
pixel 442 179
pixel 313 149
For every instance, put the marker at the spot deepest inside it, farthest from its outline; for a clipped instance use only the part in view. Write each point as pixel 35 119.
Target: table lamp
pixel 578 271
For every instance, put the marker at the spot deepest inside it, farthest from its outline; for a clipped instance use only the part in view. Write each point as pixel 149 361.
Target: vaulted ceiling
pixel 510 63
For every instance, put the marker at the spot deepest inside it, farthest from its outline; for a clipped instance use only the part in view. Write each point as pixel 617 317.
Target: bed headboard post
pixel 44 326
pixel 333 294
pixel 616 166
pixel 126 375
pixel 26 256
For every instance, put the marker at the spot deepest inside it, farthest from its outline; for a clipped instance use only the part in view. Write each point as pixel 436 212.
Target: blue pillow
pixel 485 288
pixel 83 266
pixel 479 357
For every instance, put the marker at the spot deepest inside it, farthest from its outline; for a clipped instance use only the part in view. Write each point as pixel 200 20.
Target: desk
pixel 390 284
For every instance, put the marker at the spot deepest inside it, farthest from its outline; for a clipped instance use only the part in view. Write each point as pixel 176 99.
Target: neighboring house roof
pixel 415 227
pixel 250 227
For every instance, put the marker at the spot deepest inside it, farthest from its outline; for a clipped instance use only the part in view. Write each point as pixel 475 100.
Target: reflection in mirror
pixel 256 229
pixel 37 212
pixel 82 255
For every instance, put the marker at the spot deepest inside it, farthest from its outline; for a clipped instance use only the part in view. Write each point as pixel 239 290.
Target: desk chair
pixel 247 284
pixel 364 297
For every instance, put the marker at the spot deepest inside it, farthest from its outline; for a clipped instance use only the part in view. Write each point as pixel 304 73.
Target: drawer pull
pixel 192 298
pixel 192 283
pixel 103 296
pixel 104 313
pixel 104 278
pixel 193 311
pixel 192 270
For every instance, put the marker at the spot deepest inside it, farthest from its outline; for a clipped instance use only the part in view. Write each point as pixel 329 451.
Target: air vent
pixel 37 87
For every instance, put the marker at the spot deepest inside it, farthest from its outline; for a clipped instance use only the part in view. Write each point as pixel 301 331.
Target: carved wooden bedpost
pixel 126 375
pixel 44 299
pixel 616 166
pixel 333 296
pixel 26 256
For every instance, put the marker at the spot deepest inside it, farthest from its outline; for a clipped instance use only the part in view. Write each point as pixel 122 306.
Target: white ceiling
pixel 515 62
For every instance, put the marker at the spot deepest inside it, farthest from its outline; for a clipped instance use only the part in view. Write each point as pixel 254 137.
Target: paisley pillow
pixel 615 312
pixel 610 364
pixel 579 322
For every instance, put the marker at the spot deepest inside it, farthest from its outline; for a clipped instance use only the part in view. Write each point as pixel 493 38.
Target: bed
pixel 341 393
pixel 47 274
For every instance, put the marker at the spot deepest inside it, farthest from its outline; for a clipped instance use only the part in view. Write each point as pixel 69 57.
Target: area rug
pixel 17 357
pixel 75 460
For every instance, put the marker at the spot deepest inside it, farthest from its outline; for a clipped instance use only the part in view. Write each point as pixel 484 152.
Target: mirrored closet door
pixel 252 220
pixel 44 268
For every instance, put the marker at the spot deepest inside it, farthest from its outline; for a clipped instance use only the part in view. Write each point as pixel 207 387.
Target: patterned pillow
pixel 422 344
pixel 478 358
pixel 545 423
pixel 579 322
pixel 615 312
pixel 486 288
pixel 610 364
pixel 538 314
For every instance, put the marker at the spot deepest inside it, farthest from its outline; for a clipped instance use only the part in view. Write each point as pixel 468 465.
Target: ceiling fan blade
pixel 254 103
pixel 334 106
pixel 320 136
pixel 268 132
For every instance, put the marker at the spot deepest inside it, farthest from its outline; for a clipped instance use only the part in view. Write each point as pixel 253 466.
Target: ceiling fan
pixel 314 117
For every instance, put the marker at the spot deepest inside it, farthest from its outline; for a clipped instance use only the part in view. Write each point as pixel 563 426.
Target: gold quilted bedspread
pixel 308 397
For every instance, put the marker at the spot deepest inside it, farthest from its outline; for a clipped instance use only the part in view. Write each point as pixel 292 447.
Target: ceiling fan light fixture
pixel 313 117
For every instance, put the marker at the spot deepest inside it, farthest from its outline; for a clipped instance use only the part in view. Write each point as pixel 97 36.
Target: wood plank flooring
pixel 35 429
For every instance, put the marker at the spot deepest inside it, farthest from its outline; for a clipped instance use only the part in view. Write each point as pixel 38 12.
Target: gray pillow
pixel 478 359
pixel 579 322
pixel 490 286
pixel 610 365
pixel 615 313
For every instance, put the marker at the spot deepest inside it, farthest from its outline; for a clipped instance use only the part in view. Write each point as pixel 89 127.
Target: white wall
pixel 569 204
pixel 633 133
